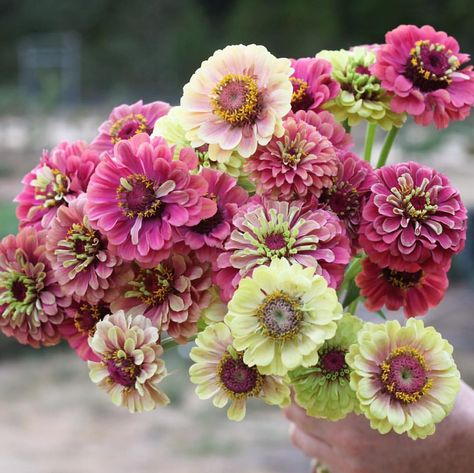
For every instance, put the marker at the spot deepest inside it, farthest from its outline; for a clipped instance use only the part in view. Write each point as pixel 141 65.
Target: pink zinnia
pixel 31 301
pixel 427 73
pixel 302 162
pixel 171 294
pixel 413 219
pixel 207 237
pixel 139 197
pixel 416 291
pixel 349 192
pixel 80 324
pixel 265 230
pixel 82 262
pixel 60 177
pixel 312 83
pixel 126 121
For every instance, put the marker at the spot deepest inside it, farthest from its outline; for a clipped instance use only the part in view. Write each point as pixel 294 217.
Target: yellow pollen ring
pixel 300 92
pixel 117 126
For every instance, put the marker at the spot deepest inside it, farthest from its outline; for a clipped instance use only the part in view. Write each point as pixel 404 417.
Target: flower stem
pixel 387 146
pixel 346 126
pixel 369 141
pixel 353 307
pixel 169 342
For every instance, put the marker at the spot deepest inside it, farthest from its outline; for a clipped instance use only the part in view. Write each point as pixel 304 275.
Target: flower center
pixel 430 66
pixel 88 315
pixel 342 199
pixel 51 187
pixel 136 196
pixel 122 368
pixel 280 316
pixel 358 80
pixel 275 241
pixel 126 127
pixel 236 378
pixel 152 286
pixel 301 99
pixel 293 151
pixel 236 99
pixel 404 375
pixel 332 363
pixel 19 293
pixel 206 226
pixel 19 290
pixel 411 201
pixel 402 279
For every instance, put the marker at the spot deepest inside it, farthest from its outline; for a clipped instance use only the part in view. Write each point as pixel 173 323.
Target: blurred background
pixel 63 65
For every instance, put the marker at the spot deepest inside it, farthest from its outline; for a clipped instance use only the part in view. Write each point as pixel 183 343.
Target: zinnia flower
pixel 82 262
pixel 220 372
pixel 217 308
pixel 301 162
pixel 130 367
pixel 171 294
pixel 126 121
pixel 428 75
pixel 236 100
pixel 413 219
pixel 169 127
pixel 80 324
pixel 312 84
pixel 31 301
pixel 416 291
pixel 268 230
pixel 281 316
pixel 208 236
pixel 140 196
pixel 405 377
pixel 349 192
pixel 324 389
pixel 61 176
pixel 361 97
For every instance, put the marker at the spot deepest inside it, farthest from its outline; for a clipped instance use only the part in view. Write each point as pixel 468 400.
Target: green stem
pixel 168 342
pixel 346 126
pixel 369 141
pixel 387 146
pixel 353 307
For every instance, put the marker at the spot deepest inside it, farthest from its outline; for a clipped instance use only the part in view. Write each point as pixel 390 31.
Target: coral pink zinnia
pixel 31 301
pixel 301 162
pixel 171 294
pixel 416 292
pixel 60 177
pixel 312 84
pixel 236 100
pixel 413 219
pixel 126 121
pixel 140 196
pixel 428 75
pixel 267 230
pixel 82 262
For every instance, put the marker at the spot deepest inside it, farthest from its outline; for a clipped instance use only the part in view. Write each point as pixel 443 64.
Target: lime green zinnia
pixel 361 97
pixel 281 316
pixel 405 377
pixel 323 389
pixel 169 127
pixel 220 373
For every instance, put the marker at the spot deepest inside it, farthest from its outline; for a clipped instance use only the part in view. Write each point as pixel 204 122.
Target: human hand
pixel 351 446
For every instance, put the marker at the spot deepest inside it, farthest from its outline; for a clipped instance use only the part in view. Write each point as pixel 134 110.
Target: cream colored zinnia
pixel 405 377
pixel 129 369
pixel 281 316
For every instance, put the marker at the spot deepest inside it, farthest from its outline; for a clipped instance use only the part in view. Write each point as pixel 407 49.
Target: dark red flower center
pixel 206 226
pixel 363 70
pixel 19 290
pixel 88 315
pixel 275 241
pixel 122 370
pixel 332 363
pixel 125 128
pixel 136 196
pixel 237 378
pixel 402 279
pixel 342 199
pixel 430 66
pixel 152 286
pixel 301 98
pixel 404 375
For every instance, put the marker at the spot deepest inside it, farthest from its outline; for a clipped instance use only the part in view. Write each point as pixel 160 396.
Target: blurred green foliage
pixel 149 48
pixel 8 221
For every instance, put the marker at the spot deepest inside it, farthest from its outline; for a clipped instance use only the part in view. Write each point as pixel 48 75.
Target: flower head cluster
pixel 429 77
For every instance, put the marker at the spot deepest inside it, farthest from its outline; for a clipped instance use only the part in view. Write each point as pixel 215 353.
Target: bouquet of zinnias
pixel 242 220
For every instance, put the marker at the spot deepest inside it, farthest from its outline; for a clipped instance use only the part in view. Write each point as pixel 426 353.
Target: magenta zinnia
pixel 267 230
pixel 126 121
pixel 413 219
pixel 31 301
pixel 140 196
pixel 428 75
pixel 61 176
pixel 171 294
pixel 300 162
pixel 312 84
pixel 416 292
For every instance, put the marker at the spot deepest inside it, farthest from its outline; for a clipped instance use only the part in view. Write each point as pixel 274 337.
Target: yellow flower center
pixel 126 127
